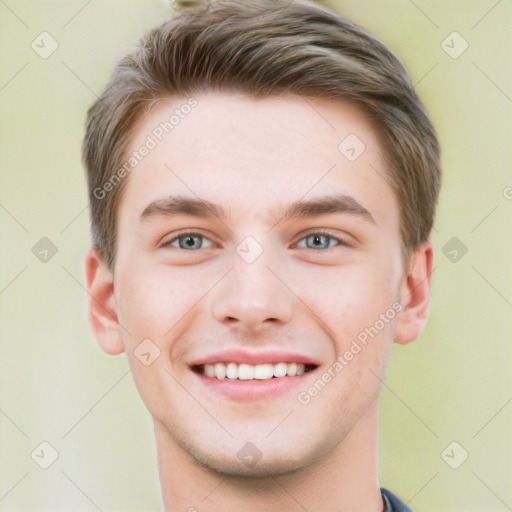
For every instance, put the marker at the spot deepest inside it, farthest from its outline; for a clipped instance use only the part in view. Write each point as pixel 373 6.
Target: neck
pixel 344 480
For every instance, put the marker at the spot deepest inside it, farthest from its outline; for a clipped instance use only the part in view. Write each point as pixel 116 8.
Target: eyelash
pixel 320 232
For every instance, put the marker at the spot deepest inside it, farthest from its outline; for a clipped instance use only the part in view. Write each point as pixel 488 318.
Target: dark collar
pixel 393 502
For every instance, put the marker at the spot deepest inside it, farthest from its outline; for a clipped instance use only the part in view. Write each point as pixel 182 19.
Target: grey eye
pixel 190 241
pixel 319 241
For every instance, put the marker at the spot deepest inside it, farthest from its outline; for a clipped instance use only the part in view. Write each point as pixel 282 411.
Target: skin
pixel 253 157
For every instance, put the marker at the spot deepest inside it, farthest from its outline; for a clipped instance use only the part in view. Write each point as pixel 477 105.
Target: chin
pixel 232 467
pixel 263 464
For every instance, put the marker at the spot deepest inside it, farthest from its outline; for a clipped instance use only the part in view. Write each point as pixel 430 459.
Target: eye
pixel 318 241
pixel 189 241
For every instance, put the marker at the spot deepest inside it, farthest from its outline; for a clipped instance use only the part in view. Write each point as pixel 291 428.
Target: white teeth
pixel 232 371
pixel 209 370
pixel 279 370
pixel 245 372
pixel 263 371
pixel 220 371
pixel 249 372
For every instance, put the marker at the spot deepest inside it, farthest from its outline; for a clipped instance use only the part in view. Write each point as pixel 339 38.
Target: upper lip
pixel 254 358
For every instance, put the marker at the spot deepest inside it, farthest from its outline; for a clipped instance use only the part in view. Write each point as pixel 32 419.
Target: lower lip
pixel 251 390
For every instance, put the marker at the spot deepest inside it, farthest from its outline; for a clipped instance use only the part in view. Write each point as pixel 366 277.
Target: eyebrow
pixel 180 205
pixel 326 205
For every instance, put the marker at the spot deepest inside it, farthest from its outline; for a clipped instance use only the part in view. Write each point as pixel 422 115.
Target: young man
pixel 263 182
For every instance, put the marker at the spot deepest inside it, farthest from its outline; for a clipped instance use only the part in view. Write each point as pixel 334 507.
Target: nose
pixel 252 297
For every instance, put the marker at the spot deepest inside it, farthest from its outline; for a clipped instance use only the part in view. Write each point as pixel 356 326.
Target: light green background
pixel 453 384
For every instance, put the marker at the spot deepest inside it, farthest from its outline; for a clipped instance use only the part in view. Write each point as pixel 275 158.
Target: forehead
pixel 254 155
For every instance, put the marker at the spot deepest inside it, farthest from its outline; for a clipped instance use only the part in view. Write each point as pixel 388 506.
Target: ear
pixel 101 304
pixel 415 295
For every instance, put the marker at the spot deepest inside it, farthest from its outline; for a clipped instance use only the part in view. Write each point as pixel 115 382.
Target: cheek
pixel 153 303
pixel 351 300
pixel 358 309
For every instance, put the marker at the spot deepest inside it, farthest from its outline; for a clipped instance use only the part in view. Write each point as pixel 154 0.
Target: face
pixel 252 243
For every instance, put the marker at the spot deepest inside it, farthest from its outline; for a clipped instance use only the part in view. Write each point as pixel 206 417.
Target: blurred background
pixel 446 411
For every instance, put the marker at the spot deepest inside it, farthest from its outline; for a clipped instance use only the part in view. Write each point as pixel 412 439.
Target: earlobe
pixel 415 295
pixel 101 305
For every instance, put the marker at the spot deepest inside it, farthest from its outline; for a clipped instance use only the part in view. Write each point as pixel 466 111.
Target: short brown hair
pixel 266 48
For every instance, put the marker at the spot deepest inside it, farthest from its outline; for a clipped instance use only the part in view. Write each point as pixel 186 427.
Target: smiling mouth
pixel 242 371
